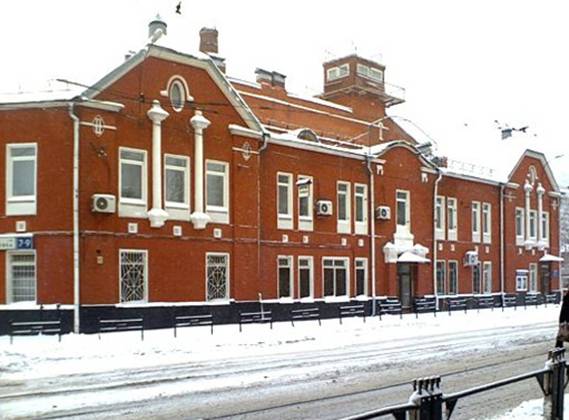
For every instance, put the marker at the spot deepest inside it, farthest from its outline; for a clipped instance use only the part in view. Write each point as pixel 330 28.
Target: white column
pixel 199 218
pixel 528 189
pixel 540 191
pixel 157 214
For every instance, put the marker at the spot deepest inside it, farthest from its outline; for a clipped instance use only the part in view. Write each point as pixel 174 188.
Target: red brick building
pixel 169 186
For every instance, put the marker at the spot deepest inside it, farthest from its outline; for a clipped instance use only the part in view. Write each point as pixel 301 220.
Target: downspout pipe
pixel 76 290
pixel 502 250
pixel 435 248
pixel 372 233
pixel 265 139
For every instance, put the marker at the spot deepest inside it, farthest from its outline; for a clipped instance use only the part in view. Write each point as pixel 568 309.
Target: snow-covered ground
pixel 229 358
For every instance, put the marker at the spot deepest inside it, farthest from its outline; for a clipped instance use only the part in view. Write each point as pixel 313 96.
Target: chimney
pixel 156 24
pixel 208 40
pixel 272 78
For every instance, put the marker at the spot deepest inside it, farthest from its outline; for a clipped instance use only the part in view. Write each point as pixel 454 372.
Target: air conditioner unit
pixel 324 208
pixel 383 213
pixel 471 258
pixel 103 203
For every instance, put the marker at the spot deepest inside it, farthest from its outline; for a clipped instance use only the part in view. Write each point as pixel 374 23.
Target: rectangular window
pixel 217 276
pixel 486 223
pixel 305 205
pixel 344 204
pixel 177 187
pixel 521 280
pixel 452 223
pixel 360 198
pixel 475 221
pixel 533 278
pixel 335 276
pixel 338 72
pixel 285 276
pixel 487 277
pixel 21 179
pixel 132 182
pixel 403 209
pixel 305 277
pixel 21 281
pixel 532 225
pixel 476 279
pixel 453 277
pixel 284 201
pixel 440 218
pixel 361 276
pixel 441 278
pixel 133 275
pixel 545 228
pixel 217 191
pixel 520 226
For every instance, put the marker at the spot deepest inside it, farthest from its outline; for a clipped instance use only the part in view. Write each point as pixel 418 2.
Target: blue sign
pixel 24 243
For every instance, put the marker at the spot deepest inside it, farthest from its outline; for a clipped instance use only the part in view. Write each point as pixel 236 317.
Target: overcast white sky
pixel 463 64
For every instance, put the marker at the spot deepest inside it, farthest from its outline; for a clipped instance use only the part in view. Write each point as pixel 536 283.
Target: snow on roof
pixel 48 91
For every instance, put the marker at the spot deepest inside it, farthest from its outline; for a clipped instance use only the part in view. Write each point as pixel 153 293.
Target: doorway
pixel 405 276
pixel 545 278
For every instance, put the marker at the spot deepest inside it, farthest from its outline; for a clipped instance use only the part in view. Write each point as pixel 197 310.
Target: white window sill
pixel 133 210
pixel 440 235
pixel 287 300
pixel 343 227
pixel 305 225
pixel 335 299
pixel 362 298
pixel 452 235
pixel 284 222
pixel 20 208
pixel 361 228
pixel 475 237
pixel 218 216
pixel 178 214
pixel 306 300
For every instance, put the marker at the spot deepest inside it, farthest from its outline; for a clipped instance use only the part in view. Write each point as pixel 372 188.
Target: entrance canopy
pixel 550 258
pixel 409 257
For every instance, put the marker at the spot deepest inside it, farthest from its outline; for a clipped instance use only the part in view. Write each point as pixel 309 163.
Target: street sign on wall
pixel 16 242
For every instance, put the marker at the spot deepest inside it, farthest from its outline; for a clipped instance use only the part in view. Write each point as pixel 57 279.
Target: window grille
pixel 133 276
pixel 23 277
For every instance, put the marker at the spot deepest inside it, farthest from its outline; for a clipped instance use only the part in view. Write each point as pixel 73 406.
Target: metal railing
pixel 428 402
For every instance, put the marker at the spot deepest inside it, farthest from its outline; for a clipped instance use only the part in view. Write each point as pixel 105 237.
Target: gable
pixel 538 160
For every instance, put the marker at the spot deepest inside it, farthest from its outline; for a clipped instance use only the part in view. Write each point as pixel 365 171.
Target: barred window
pixel 22 276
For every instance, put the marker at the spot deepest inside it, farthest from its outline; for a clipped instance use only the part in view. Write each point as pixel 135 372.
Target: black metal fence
pixel 428 402
pixel 167 316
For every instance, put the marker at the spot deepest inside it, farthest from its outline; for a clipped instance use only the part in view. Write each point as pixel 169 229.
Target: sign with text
pixel 16 242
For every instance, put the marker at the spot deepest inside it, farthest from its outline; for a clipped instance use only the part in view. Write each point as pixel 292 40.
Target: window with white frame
pixel 338 72
pixel 532 225
pixel 177 95
pixel 335 275
pixel 520 226
pixel 487 277
pixel 21 179
pixel 370 72
pixel 476 279
pixel 533 278
pixel 486 223
pixel 545 227
pixel 21 277
pixel 452 222
pixel 217 276
pixel 284 201
pixel 440 217
pixel 133 275
pixel 177 186
pixel 217 191
pixel 521 280
pixel 453 277
pixel 441 278
pixel 305 277
pixel 132 182
pixel 285 276
pixel 403 207
pixel 361 276
pixel 360 198
pixel 344 205
pixel 475 221
pixel 305 206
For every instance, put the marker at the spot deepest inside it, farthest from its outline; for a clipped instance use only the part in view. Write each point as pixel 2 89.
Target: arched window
pixel 177 95
pixel 307 134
